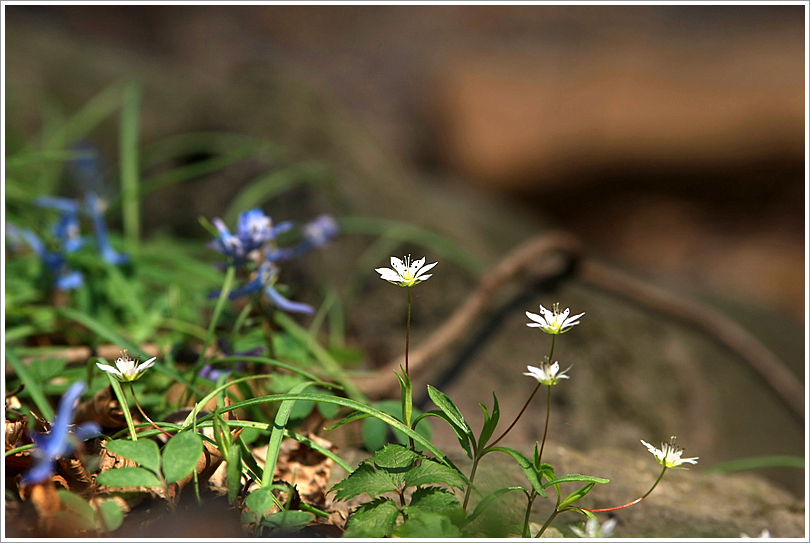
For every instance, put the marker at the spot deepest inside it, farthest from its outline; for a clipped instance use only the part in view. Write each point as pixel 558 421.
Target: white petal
pixel 424 277
pixel 536 318
pixel 389 275
pixel 398 265
pixel 148 364
pixel 108 369
pixel 426 268
pixel 417 264
pixel 123 366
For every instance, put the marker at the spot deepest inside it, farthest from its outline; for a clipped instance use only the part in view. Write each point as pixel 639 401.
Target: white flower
pixel 669 455
pixel 764 534
pixel 592 528
pixel 553 322
pixel 405 274
pixel 547 374
pixel 127 369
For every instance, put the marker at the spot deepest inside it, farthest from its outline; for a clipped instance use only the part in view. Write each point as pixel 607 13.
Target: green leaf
pixel 527 466
pixel 377 518
pixel 33 388
pixel 78 505
pixel 288 521
pixel 444 403
pixel 428 525
pixel 357 415
pixel 433 472
pixel 435 500
pixel 375 431
pixel 546 471
pixel 576 495
pixel 180 455
pixel 234 471
pixel 490 423
pixel 366 478
pixel 483 504
pixel 128 477
pixel 462 436
pixel 260 501
pixel 277 434
pixel 143 452
pixel 111 516
pixel 576 478
pixel 406 389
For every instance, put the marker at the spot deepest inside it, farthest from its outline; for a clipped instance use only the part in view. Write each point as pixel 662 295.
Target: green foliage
pixel 129 477
pixel 180 455
pixel 78 513
pixel 377 518
pixel 375 430
pixel 144 452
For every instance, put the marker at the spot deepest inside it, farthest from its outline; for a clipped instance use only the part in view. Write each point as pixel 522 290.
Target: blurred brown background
pixel 670 138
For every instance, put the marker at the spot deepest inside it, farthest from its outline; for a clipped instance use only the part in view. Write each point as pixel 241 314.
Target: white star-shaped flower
pixel 407 273
pixel 553 322
pixel 669 455
pixel 593 529
pixel 547 374
pixel 127 369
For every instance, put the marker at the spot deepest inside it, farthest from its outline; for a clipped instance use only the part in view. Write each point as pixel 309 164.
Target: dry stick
pixel 522 259
pixel 757 356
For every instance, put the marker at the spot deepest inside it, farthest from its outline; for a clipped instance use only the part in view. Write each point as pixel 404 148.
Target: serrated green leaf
pixel 180 455
pixel 527 466
pixel 576 495
pixel 366 478
pixel 576 478
pixel 490 422
pixel 436 500
pixel 433 472
pixel 428 525
pixel 128 477
pixel 111 515
pixel 488 499
pixel 143 452
pixel 396 458
pixel 377 518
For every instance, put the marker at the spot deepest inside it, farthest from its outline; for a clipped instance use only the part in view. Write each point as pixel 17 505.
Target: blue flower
pixel 228 244
pixel 66 230
pixel 321 230
pixel 264 279
pixel 64 278
pixel 59 441
pixel 95 206
pixel 254 229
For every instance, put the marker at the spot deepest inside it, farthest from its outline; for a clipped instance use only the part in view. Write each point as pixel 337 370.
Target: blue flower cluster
pixel 254 245
pixel 60 441
pixel 67 233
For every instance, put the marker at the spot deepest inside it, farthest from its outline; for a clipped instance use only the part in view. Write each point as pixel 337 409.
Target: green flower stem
pixel 122 400
pixel 551 354
pixel 548 522
pixel 408 331
pixel 526 532
pixel 472 478
pixel 632 502
pixel 516 418
pixel 138 404
pixel 553 340
pixel 407 343
pixel 545 430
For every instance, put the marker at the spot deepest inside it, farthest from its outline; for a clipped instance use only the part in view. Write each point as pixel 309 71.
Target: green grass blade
pixel 277 434
pixel 31 386
pixel 128 143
